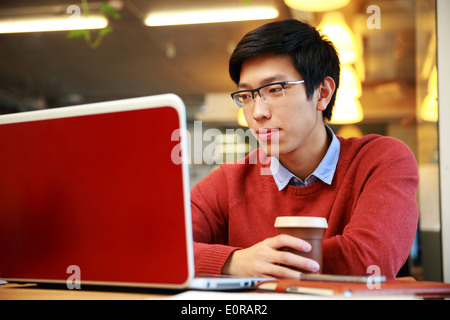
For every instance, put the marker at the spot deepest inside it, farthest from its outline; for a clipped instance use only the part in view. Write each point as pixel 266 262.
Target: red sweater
pixel 370 207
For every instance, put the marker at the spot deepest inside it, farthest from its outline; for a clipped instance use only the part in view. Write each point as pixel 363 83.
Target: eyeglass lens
pixel 268 93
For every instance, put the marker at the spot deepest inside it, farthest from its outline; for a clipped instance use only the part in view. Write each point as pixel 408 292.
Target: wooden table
pixel 31 291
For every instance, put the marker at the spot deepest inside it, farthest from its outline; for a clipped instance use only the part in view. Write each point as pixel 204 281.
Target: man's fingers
pixel 284 240
pixel 294 260
pixel 282 272
pixel 266 258
pixel 288 259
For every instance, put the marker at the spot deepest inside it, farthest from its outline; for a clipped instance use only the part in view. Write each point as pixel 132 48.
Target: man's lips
pixel 266 133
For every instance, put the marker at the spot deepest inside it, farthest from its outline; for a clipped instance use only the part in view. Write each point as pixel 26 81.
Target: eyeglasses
pixel 268 93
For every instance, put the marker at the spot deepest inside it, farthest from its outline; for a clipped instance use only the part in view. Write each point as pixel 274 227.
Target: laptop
pixel 98 194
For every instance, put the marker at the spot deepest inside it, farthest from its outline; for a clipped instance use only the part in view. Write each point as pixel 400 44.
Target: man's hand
pixel 264 259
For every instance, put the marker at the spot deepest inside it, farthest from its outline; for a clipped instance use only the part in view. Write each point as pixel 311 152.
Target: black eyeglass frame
pixel 252 91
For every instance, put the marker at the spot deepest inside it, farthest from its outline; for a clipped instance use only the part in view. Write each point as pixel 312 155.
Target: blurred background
pixel 389 74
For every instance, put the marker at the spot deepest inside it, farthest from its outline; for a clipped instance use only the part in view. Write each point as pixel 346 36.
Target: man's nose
pixel 260 109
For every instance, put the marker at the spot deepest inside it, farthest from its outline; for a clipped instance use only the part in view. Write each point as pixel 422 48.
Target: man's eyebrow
pixel 268 80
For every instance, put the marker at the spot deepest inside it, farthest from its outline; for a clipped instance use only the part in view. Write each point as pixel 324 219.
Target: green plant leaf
pixel 106 8
pixel 105 31
pixel 76 34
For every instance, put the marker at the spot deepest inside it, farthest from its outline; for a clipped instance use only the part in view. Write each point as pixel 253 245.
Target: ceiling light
pixel 333 26
pixel 182 17
pixel 43 24
pixel 347 108
pixel 316 5
pixel 429 111
pixel 349 79
pixel 349 131
pixel 241 118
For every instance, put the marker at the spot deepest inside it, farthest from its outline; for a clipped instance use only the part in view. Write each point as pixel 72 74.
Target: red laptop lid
pixel 97 186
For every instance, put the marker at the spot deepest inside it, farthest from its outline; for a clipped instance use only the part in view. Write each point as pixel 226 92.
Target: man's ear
pixel 326 90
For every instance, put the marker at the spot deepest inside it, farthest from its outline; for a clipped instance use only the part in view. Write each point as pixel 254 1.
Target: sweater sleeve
pixel 210 223
pixel 384 214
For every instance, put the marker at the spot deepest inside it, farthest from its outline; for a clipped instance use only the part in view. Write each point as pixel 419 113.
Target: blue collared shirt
pixel 325 170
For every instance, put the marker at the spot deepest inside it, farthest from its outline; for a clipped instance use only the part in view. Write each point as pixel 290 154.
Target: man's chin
pixel 271 150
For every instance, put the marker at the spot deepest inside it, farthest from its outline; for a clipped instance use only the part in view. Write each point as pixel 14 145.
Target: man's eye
pixel 245 96
pixel 275 90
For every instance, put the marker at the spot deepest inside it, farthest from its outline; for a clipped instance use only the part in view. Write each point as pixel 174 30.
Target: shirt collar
pixel 325 171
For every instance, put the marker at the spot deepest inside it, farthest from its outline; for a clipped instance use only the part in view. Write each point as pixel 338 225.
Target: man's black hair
pixel 314 56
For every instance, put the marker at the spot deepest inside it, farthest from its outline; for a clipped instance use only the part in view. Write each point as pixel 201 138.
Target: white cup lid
pixel 302 222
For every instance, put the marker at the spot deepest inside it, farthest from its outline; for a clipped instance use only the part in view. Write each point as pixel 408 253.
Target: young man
pixel 287 76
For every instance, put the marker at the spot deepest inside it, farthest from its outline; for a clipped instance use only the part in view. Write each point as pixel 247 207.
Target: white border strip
pixel 443 54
